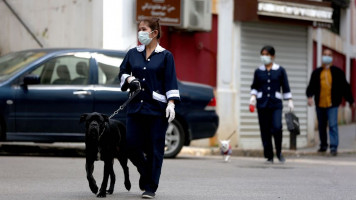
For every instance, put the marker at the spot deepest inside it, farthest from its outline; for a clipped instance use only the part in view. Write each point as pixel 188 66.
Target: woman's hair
pixel 153 23
pixel 269 49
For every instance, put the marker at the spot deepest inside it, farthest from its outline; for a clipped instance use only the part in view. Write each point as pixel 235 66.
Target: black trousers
pixel 145 144
pixel 270 120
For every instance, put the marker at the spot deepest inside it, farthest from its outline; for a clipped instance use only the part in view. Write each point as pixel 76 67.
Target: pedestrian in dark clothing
pixel 149 68
pixel 268 81
pixel 328 85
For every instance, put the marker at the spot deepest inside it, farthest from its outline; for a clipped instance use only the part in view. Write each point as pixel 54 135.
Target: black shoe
pixel 148 195
pixel 281 159
pixel 269 161
pixel 321 150
pixel 333 152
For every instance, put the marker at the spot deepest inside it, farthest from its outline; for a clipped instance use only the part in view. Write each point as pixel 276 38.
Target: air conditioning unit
pixel 197 15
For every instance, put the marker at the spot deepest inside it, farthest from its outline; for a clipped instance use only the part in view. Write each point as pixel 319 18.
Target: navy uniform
pixel 146 123
pixel 267 87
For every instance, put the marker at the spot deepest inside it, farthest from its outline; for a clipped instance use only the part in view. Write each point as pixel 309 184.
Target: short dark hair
pixel 153 23
pixel 269 49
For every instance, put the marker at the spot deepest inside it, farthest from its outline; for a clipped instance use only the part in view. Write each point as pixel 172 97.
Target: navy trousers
pixel 270 120
pixel 145 142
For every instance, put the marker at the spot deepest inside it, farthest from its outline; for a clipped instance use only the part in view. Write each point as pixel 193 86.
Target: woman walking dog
pixel 149 68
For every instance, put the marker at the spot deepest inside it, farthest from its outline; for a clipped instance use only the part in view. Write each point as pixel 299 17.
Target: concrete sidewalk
pixel 347 145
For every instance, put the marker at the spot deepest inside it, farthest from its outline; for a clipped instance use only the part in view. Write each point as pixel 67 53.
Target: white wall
pixel 69 23
pixel 226 72
pixel 120 27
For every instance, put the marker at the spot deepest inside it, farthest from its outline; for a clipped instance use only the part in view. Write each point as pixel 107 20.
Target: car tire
pixel 174 139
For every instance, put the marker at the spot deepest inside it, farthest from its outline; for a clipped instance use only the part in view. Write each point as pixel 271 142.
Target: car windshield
pixel 14 62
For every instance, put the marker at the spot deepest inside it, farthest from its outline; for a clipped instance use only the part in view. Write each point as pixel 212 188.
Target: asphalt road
pixel 189 178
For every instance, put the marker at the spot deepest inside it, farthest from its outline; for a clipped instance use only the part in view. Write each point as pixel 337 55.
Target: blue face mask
pixel 327 59
pixel 266 60
pixel 144 37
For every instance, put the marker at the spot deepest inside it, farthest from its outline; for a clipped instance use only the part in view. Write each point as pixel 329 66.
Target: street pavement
pixel 56 171
pixel 347 145
pixel 186 177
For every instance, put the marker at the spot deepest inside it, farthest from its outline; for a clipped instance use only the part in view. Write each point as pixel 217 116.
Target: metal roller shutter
pixel 290 43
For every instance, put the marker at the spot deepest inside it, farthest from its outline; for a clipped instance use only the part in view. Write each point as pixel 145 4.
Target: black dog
pixel 105 139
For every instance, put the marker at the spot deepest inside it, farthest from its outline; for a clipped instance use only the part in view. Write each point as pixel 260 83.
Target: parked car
pixel 44 92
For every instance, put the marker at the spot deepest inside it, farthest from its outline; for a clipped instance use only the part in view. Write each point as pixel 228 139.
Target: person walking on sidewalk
pixel 151 69
pixel 328 85
pixel 268 81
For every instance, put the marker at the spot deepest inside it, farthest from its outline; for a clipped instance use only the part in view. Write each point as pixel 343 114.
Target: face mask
pixel 266 60
pixel 327 59
pixel 144 37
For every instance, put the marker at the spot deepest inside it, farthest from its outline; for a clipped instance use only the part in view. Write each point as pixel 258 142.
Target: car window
pixel 109 67
pixel 11 63
pixel 65 70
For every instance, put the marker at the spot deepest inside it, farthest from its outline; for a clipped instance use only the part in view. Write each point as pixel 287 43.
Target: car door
pixel 52 108
pixel 108 96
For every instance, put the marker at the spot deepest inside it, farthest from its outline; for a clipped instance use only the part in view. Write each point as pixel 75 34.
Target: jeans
pixel 326 115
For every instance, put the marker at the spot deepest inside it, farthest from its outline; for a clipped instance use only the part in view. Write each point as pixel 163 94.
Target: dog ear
pixel 106 118
pixel 83 117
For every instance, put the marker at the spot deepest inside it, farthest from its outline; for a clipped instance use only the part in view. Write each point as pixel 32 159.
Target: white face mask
pixel 144 37
pixel 266 60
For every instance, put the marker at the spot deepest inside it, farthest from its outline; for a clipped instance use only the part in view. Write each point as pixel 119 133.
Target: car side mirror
pixel 31 79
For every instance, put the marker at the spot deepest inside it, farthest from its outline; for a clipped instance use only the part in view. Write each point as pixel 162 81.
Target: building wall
pixel 353 23
pixel 68 23
pixel 194 53
pixel 63 23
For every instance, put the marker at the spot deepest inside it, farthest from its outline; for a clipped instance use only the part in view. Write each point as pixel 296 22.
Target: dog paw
pixel 93 188
pixel 110 191
pixel 128 185
pixel 101 194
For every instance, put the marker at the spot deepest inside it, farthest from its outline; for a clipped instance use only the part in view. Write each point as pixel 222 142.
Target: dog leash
pixel 135 93
pixel 231 135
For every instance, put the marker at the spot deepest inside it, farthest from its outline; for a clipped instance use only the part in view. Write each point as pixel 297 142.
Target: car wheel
pixel 174 139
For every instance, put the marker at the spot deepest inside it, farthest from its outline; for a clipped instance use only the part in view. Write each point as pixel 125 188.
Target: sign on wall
pixel 293 10
pixel 168 11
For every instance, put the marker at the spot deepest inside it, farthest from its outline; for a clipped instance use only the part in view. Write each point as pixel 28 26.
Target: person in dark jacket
pixel 328 85
pixel 268 81
pixel 149 68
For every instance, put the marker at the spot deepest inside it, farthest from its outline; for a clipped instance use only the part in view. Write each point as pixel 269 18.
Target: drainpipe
pixel 23 23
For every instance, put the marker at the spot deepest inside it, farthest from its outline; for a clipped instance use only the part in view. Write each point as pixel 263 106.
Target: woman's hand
pixel 290 105
pixel 170 113
pixel 310 101
pixel 253 100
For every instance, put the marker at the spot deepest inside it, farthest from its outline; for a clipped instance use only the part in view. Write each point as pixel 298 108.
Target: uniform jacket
pixel 339 87
pixel 157 77
pixel 267 86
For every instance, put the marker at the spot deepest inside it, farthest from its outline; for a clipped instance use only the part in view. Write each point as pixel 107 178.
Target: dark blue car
pixel 43 92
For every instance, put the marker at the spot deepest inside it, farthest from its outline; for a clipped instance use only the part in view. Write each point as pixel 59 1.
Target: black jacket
pixel 267 87
pixel 339 87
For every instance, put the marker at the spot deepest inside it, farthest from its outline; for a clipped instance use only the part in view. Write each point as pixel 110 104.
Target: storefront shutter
pixel 290 43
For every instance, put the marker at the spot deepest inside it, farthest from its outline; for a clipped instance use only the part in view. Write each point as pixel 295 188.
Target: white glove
pixel 253 100
pixel 130 78
pixel 170 113
pixel 290 105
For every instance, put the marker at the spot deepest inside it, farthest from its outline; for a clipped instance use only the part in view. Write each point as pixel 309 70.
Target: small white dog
pixel 225 149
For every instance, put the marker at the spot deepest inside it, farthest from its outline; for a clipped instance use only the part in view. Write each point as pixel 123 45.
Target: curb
pixel 196 151
pixel 78 150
